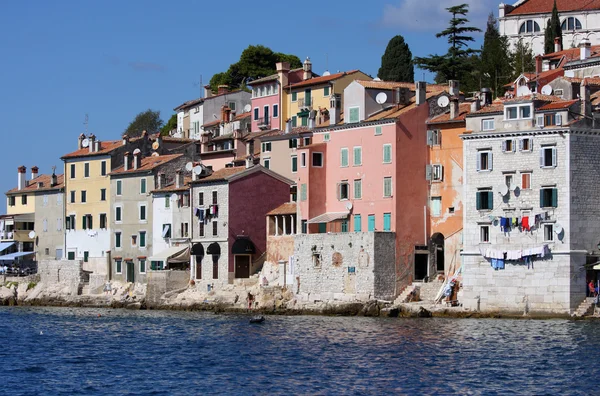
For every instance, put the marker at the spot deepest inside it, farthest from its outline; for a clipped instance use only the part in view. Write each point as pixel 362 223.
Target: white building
pixel 528 159
pixel 526 20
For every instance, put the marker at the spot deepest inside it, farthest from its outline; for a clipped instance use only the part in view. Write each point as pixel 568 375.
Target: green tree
pixel 457 63
pixel 169 126
pixel 148 120
pixel 397 62
pixel 553 30
pixel 522 60
pixel 256 61
pixel 495 70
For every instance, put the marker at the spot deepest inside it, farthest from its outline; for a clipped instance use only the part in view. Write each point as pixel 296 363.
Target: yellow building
pixel 313 93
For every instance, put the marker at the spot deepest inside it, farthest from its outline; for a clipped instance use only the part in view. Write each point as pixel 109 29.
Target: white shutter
pixel 521 144
pixel 491 162
pixel 504 146
pixel 542 158
pixel 554 157
pixel 478 161
pixel 338 189
pixel 430 138
pixel 530 144
pixel 429 171
pixel 514 145
pixel 558 119
pixel 539 120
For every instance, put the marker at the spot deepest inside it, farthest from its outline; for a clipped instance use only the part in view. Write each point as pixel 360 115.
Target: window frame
pixel 490 163
pixel 548 226
pixel 118 240
pixel 143 210
pixel 489 200
pixel 103 168
pixel 119 188
pixel 488 120
pixel 294 163
pixel 357 189
pixel 391 187
pixel 314 155
pixel 143 186
pixel 118 214
pixel 86 170
pixel 144 234
pixel 484 233
pixel 357 154
pixel 528 176
pixel 387 146
pixel 344 150
pixel 553 157
pixel 351 119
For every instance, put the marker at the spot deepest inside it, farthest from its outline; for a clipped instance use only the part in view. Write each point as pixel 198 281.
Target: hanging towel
pixel 515 221
pixel 216 210
pixel 200 215
pixel 525 223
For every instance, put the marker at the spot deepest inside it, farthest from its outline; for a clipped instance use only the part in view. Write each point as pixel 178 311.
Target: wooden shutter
pixel 490 200
pixel 554 197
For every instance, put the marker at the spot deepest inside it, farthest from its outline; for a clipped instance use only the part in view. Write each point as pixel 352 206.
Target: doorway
pixel 437 251
pixel 215 261
pixel 130 272
pixel 242 266
pixel 421 263
pixel 199 266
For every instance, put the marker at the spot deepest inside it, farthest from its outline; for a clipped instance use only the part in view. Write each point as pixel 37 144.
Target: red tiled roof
pixel 148 163
pixel 105 148
pixel 189 103
pixel 558 105
pixel 211 124
pixel 463 110
pixel 540 97
pixel 545 6
pixel 572 53
pixel 241 116
pixel 32 185
pixel 374 84
pixel 322 79
pixel 221 174
pixel 594 81
pixel 173 187
pixel 495 107
pixel 286 208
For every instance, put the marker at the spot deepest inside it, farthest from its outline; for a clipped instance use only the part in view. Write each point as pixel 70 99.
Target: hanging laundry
pixel 200 215
pixel 525 223
pixel 515 221
pixel 216 210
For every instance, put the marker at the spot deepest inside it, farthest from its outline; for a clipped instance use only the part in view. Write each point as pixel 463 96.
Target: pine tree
pixel 397 62
pixel 553 30
pixel 495 68
pixel 522 60
pixel 457 63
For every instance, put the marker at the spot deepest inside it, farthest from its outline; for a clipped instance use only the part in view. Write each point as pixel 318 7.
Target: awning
pixel 175 254
pixel 25 218
pixel 213 248
pixel 243 246
pixel 197 249
pixel 5 245
pixel 12 256
pixel 327 217
pixel 597 267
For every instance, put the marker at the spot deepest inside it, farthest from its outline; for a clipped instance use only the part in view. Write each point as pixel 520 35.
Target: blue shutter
pixel 387 221
pixel 357 223
pixel 541 198
pixel 371 222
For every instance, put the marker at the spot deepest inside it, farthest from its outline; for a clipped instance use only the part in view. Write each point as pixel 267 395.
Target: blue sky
pixel 112 59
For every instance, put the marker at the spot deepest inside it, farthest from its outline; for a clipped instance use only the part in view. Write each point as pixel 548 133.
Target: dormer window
pixel 571 23
pixel 520 112
pixel 529 26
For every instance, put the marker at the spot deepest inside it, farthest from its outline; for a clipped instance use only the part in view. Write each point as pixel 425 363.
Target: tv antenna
pixel 201 87
pixel 85 122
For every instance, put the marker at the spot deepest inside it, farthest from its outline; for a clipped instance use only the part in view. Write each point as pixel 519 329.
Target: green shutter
pixel 387 153
pixel 143 186
pixel 84 222
pixel 142 239
pixel 344 157
pixel 371 222
pixel 554 197
pixel 490 200
pixel 354 114
pixel 294 164
pixel 294 96
pixel 118 187
pixel 294 121
pixel 303 192
pixel 478 201
pixel 541 198
pixel 357 156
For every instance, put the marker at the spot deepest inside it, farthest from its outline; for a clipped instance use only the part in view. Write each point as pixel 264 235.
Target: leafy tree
pixel 495 69
pixel 457 63
pixel 148 120
pixel 255 61
pixel 396 62
pixel 169 126
pixel 522 60
pixel 552 31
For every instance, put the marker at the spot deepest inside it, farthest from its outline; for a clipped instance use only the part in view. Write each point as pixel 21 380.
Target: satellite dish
pixel 155 154
pixel 523 90
pixel 377 79
pixel 85 142
pixel 189 166
pixel 443 101
pixel 136 151
pixel 155 146
pixel 547 90
pixel 32 234
pixel 558 229
pixel 381 97
pixel 174 197
pixel 247 108
pixel 326 73
pixel 502 189
pixel 197 169
pixel 349 205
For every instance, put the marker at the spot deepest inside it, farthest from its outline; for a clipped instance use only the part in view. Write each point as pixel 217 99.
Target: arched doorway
pixel 437 253
pixel 215 251
pixel 198 253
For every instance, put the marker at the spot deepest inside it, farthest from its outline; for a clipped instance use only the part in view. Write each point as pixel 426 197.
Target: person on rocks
pixel 107 287
pixel 250 299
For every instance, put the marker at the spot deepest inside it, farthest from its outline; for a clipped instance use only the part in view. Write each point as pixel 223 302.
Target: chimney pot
pixel 207 91
pixel 222 89
pixel 92 143
pixel 34 172
pixel 420 92
pixel 125 140
pixel 178 178
pixel 585 49
pixel 557 47
pixel 136 160
pixel 126 159
pixel 584 96
pixel 80 141
pixel 283 70
pixel 22 179
pixel 453 88
pixel 454 109
pixel 307 68
pixel 334 109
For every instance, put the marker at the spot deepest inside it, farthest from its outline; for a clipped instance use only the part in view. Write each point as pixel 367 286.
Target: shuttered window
pixel 357 189
pixel 303 192
pixel 387 153
pixel 548 198
pixel 357 223
pixel 354 114
pixel 344 157
pixel 387 186
pixel 484 200
pixel 357 156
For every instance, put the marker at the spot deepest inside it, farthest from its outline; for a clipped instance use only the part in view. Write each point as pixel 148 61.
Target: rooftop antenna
pixel 53 169
pixel 86 123
pixel 201 86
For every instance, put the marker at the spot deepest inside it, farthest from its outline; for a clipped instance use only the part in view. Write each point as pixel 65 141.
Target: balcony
pixel 264 123
pixel 17 236
pixel 305 103
pixel 6 235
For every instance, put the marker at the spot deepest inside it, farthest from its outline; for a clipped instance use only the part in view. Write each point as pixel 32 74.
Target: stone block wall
pixel 161 282
pixel 54 272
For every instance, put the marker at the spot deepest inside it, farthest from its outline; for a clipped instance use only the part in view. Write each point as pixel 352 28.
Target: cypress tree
pixel 397 62
pixel 552 30
pixel 496 70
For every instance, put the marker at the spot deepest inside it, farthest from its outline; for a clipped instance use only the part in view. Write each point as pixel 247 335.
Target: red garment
pixel 525 223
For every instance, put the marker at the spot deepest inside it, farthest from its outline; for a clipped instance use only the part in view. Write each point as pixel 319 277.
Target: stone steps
pixel 428 291
pixel 585 308
pixel 404 296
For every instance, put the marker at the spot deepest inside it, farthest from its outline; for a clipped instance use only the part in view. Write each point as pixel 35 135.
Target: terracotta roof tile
pixel 189 103
pixel 593 81
pixel 286 208
pixel 211 124
pixel 105 148
pixel 221 174
pixel 464 109
pixel 322 79
pixel 241 116
pixel 32 185
pixel 148 163
pixel 558 105
pixel 227 136
pixel 495 107
pixel 374 84
pixel 173 187
pixel 545 6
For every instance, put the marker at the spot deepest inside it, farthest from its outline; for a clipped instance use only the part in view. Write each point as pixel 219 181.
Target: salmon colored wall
pixel 217 161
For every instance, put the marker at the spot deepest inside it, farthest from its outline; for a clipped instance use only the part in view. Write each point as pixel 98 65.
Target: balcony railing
pixel 19 236
pixel 264 122
pixel 305 103
pixel 6 235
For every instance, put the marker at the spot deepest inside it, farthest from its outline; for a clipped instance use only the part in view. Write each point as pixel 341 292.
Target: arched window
pixel 571 23
pixel 529 26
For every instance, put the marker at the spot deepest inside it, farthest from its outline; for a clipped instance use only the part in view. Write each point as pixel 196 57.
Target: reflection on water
pixel 65 350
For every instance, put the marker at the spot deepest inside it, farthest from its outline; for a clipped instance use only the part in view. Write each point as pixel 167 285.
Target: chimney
pixel 53 179
pixel 125 140
pixel 97 148
pixel 475 106
pixel 538 64
pixel 159 141
pixel 80 141
pixel 225 114
pixel 34 172
pixel 307 67
pixel 92 144
pixel 557 47
pixel 249 162
pixel 453 88
pixel 486 96
pixel 136 159
pixel 126 160
pixel 454 107
pixel 207 91
pixel 335 106
pixel 585 49
pixel 283 70
pixel 420 92
pixel 22 180
pixel 223 89
pixel 288 126
pixel 178 178
pixel 161 181
pixel 584 95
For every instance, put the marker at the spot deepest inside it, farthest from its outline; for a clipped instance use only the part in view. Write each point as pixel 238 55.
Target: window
pixel 11 201
pixel 256 113
pixel 215 230
pixel 118 214
pixel 326 91
pixel 103 194
pixel 167 202
pixel 484 234
pixel 119 268
pixel 354 114
pixel 143 186
pixel 571 23
pixel 23 199
pixel 436 206
pixel 214 198
pixel 166 231
pixel 304 121
pixel 387 187
pixel 86 222
pixel 487 124
pixel 526 145
pixel 200 229
pixel 548 198
pixel 548 157
pixel 266 147
pixel 143 212
pixel 142 266
pixel 548 232
pixel 377 131
pixel 517 112
pixel 326 137
pixel 358 189
pixel 303 192
pixel 304 226
pixel 343 190
pixel 103 220
pixel 294 96
pixel 293 143
pixel 134 240
pixel 484 161
pixel 294 121
pixel 201 199
pixel 525 180
pixel 70 222
pixel 317 160
pixel 275 111
pixel 303 160
pixel 83 196
pixel 434 137
pixel 267 163
pixel 371 222
pixel 509 180
pixel 117 239
pixel 508 146
pixel 357 223
pixel 316 258
pixel 357 156
pixel 119 187
pixel 511 113
pixel 103 168
pixel 529 26
pixel 387 153
pixel 344 225
pixel 343 157
pixel 72 171
pixel 484 200
pixel 437 172
pixel 142 239
pixel 86 169
pixel 525 112
pixel 294 164
pixel 72 198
